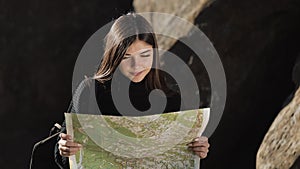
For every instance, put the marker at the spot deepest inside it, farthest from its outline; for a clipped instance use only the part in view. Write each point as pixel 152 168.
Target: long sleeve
pixel 62 162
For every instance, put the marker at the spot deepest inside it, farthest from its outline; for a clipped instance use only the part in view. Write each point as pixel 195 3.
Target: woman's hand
pixel 200 146
pixel 66 146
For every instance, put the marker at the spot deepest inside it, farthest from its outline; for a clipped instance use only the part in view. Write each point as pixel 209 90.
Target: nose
pixel 136 62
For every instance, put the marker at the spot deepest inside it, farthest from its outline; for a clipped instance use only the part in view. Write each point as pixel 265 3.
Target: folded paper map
pixel 143 142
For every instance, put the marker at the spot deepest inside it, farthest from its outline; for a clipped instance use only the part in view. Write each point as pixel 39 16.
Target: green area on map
pixel 117 142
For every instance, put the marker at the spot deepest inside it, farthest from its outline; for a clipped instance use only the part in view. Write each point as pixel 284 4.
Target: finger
pixel 70 150
pixel 65 136
pixel 73 144
pixel 200 149
pixel 201 155
pixel 68 143
pixel 202 139
pixel 66 154
pixel 199 140
pixel 199 144
pixel 63 153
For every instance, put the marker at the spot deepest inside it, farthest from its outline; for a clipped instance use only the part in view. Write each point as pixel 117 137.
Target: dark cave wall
pixel 257 42
pixel 40 42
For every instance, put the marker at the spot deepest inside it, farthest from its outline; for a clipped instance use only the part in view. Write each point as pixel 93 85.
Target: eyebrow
pixel 147 50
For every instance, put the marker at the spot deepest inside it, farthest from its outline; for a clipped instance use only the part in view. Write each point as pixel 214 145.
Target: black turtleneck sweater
pixel 139 98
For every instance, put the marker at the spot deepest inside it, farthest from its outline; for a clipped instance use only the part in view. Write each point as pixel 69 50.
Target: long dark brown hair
pixel 125 30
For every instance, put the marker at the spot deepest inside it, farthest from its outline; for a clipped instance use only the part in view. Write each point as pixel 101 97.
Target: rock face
pixel 257 42
pixel 165 25
pixel 188 10
pixel 281 145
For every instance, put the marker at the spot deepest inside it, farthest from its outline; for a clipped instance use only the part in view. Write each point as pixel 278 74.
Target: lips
pixel 136 73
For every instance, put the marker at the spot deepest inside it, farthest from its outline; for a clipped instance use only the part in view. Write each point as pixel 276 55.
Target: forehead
pixel 138 46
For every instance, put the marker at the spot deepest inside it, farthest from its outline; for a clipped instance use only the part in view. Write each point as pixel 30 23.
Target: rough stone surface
pixel 257 42
pixel 188 9
pixel 281 145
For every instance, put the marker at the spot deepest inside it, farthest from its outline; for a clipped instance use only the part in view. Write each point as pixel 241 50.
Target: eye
pixel 145 55
pixel 125 57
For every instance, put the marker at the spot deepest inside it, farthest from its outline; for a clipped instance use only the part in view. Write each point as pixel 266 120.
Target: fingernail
pixel 190 144
pixel 196 139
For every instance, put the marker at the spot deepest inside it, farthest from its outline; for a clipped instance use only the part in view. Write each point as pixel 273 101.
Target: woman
pixel 130 54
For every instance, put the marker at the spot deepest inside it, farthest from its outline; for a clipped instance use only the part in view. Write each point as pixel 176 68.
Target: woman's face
pixel 137 61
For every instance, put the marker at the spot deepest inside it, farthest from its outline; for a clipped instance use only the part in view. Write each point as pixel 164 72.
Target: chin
pixel 137 79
